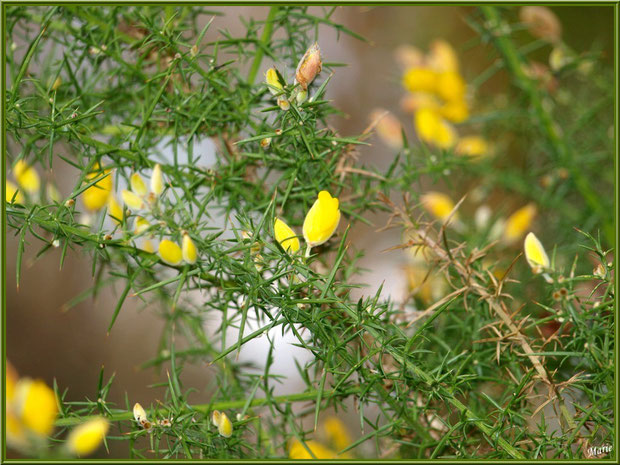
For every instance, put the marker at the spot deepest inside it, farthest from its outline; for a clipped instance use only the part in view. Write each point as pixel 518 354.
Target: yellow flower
pixel 11 190
pixel 450 86
pixel 139 413
pixel 190 254
pixel 147 246
pixel 420 80
pixel 297 451
pixel 519 222
pixel 285 236
pixel 86 438
pixel 309 66
pixel 11 379
pixel 36 406
pixel 115 210
pixel 140 225
pixel 438 204
pixel 97 195
pixel 272 81
pixel 170 252
pixel 223 423
pixel 27 177
pixel 442 57
pixel 132 200
pixel 283 103
pixel 157 181
pixel 472 146
pixel 321 220
pixel 455 111
pixel 337 433
pixel 535 254
pixel 431 128
pixel 429 286
pixel 137 185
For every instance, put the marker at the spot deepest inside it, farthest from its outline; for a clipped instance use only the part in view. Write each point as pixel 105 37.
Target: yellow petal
pixel 147 246
pixel 455 111
pixel 337 433
pixel 11 190
pixel 137 185
pixel 157 181
pixel 216 417
pixel 27 177
pixel 321 220
pixel 170 252
pixel 420 80
pixel 442 57
pixel 297 451
pixel 190 254
pixel 519 222
pixel 472 146
pixel 115 210
pixel 37 407
pixel 97 195
pixel 132 200
pixel 535 253
pixel 139 413
pixel 225 426
pixel 431 128
pixel 141 225
pixel 86 438
pixel 438 204
pixel 285 236
pixel 272 81
pixel 450 86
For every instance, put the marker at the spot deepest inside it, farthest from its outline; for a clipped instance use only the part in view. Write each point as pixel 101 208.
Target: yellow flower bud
pixel 12 190
pixel 97 195
pixel 139 413
pixel 157 181
pixel 190 254
pixel 27 177
pixel 115 210
pixel 36 406
pixel 57 83
pixel 170 252
pixel 434 130
pixel 309 66
pixel 132 200
pixel 224 425
pixel 438 204
pixel 321 220
pixel 442 57
pixel 283 103
pixel 301 96
pixel 285 236
pixel 420 80
pixel 86 438
pixel 519 222
pixel 535 254
pixel 450 86
pixel 140 225
pixel 272 81
pixel 137 185
pixel 472 146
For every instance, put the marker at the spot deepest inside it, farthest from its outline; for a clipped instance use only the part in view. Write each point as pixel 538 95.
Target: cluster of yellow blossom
pixel 438 98
pixel 319 225
pixel 27 181
pixel 223 423
pixel 335 437
pixel 31 411
pixel 307 69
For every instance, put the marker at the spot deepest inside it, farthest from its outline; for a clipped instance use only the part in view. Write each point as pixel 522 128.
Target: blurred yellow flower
pixel 442 57
pixel 438 204
pixel 417 100
pixel 97 195
pixel 472 146
pixel 35 406
pixel 285 236
pixel 519 222
pixel 170 252
pixel 455 111
pixel 388 127
pixel 86 438
pixel 420 80
pixel 321 220
pixel 115 210
pixel 27 177
pixel 426 284
pixel 148 246
pixel 157 181
pixel 140 225
pixel 190 253
pixel 450 86
pixel 13 190
pixel 132 200
pixel 337 433
pixel 297 451
pixel 432 129
pixel 535 254
pixel 138 186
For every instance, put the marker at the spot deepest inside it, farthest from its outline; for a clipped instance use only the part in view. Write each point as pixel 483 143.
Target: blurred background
pixel 44 340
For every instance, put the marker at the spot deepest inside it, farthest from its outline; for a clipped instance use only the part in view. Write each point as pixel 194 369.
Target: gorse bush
pixel 211 184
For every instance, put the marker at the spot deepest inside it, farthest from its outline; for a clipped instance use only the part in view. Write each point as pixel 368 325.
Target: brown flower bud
pixel 309 66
